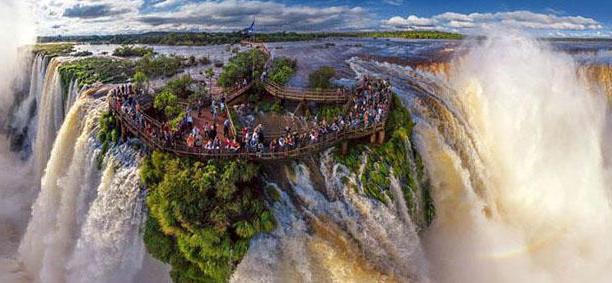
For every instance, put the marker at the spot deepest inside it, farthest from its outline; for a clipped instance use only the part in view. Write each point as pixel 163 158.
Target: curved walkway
pixel 128 122
pixel 298 94
pixel 149 130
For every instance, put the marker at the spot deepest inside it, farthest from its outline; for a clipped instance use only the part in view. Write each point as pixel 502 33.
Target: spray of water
pixel 15 183
pixel 535 206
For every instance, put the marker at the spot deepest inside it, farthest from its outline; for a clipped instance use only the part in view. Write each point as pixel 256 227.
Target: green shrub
pixel 391 155
pixel 282 69
pixel 167 102
pixel 202 216
pixel 160 65
pixel 108 135
pixel 243 66
pixel 132 51
pixel 321 78
pixel 53 49
pixel 96 69
pixel 180 86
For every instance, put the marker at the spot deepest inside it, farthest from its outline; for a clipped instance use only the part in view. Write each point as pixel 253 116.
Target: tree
pixel 203 215
pixel 209 73
pixel 140 79
pixel 181 86
pixel 321 78
pixel 245 65
pixel 282 70
pixel 167 102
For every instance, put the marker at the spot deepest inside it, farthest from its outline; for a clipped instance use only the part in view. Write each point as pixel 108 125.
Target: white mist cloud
pixel 515 19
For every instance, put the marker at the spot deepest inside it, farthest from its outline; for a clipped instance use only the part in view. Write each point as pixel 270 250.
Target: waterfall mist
pixel 519 168
pixel 15 181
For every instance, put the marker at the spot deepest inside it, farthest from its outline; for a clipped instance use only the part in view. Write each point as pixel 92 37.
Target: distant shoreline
pixel 202 39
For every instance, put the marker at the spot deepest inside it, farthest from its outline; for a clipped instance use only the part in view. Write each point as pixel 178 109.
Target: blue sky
pixel 543 17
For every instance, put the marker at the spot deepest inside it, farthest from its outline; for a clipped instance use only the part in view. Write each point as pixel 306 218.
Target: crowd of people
pixel 369 107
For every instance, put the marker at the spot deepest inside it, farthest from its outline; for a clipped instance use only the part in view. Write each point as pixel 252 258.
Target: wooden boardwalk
pixel 180 148
pixel 298 94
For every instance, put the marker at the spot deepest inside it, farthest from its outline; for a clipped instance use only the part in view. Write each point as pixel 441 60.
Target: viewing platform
pixel 364 115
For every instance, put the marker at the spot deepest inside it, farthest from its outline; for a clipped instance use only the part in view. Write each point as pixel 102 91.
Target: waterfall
pixel 110 246
pixel 85 225
pixel 21 120
pixel 351 238
pixel 50 114
pixel 515 144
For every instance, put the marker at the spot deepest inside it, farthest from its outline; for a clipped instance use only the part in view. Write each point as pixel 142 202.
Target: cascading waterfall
pixel 22 120
pixel 514 143
pixel 354 239
pixel 84 227
pixel 51 111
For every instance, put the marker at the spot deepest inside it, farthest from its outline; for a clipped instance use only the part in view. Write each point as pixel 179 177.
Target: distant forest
pixel 193 38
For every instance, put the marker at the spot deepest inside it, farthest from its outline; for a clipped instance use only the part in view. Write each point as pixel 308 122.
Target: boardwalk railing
pixel 304 94
pixel 180 148
pixel 297 94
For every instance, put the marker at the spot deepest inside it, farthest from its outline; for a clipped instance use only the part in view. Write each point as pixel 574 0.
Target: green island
pixel 132 51
pixel 204 213
pixel 53 49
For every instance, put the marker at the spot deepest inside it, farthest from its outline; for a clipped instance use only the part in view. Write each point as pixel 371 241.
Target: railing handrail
pixel 325 141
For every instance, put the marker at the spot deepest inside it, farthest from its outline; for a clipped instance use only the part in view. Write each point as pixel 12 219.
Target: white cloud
pixel 228 15
pixel 394 2
pixel 410 21
pixel 515 19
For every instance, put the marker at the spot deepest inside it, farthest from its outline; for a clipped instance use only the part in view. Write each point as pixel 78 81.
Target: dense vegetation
pixel 202 216
pixel 321 78
pixel 282 69
pixel 96 69
pixel 195 38
pixel 390 157
pixel 245 65
pixel 167 101
pixel 329 112
pixel 161 65
pixel 108 135
pixel 132 51
pixel 53 49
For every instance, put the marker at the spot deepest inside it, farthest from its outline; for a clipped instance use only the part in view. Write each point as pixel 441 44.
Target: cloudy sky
pixel 543 17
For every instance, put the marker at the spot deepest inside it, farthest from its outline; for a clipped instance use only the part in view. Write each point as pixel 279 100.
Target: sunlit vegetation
pixel 390 158
pixel 244 66
pixel 202 215
pixel 140 79
pixel 181 86
pixel 321 78
pixel 96 69
pixel 167 101
pixel 160 65
pixel 53 49
pixel 132 51
pixel 282 69
pixel 108 135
